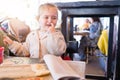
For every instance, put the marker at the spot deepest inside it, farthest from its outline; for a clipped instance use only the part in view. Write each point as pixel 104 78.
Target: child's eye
pixel 45 17
pixel 54 17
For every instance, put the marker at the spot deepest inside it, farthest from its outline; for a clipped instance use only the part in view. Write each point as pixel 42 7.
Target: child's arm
pixel 56 44
pixel 17 48
pixel 7 40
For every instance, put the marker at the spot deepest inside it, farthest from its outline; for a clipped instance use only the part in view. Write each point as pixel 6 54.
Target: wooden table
pixel 82 33
pixel 19 68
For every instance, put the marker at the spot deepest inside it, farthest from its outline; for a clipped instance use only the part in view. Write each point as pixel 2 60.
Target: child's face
pixel 49 16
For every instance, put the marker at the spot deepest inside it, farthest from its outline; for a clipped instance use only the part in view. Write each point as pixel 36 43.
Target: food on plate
pixel 39 69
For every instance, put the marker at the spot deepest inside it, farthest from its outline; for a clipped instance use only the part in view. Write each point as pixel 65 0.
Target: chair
pixel 72 47
pixel 88 46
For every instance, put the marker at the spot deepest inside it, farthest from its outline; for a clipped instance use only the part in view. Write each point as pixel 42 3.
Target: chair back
pixel 72 47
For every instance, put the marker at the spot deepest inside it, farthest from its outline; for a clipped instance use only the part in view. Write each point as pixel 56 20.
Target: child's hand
pixel 51 28
pixel 7 40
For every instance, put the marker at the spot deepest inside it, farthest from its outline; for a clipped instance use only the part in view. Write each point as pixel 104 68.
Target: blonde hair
pixel 42 7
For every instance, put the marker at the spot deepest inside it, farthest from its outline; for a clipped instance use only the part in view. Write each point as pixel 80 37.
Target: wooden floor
pixel 93 67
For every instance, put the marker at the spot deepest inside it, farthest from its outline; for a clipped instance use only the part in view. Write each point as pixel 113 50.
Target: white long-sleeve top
pixel 38 43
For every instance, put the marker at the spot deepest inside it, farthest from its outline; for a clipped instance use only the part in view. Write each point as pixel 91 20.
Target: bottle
pixel 1 54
